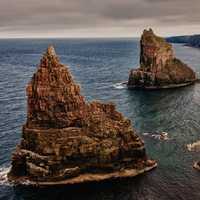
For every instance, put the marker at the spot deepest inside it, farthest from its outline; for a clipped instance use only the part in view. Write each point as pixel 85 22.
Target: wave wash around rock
pixel 159 68
pixel 67 140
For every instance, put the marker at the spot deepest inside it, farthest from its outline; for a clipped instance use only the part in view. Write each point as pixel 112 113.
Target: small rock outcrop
pixel 66 140
pixel 196 165
pixel 194 146
pixel 159 68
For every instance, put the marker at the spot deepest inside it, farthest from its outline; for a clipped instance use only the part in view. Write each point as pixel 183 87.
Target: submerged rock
pixel 159 68
pixel 66 140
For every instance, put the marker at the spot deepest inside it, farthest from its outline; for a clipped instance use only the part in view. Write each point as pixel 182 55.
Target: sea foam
pixel 119 85
pixel 3 175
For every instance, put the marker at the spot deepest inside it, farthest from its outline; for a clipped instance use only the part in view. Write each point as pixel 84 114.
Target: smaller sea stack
pixel 159 68
pixel 66 140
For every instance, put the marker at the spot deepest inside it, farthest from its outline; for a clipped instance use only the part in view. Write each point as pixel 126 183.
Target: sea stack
pixel 159 68
pixel 67 140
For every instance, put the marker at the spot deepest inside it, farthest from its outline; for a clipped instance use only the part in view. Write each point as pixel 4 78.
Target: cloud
pixel 61 17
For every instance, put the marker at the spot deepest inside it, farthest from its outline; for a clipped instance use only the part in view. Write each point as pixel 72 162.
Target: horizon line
pixel 114 37
pixel 98 37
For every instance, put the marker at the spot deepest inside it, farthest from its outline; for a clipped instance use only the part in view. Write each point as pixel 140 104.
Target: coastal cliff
pixel 67 140
pixel 159 68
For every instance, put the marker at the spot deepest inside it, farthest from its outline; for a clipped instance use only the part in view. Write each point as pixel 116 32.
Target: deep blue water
pixel 98 65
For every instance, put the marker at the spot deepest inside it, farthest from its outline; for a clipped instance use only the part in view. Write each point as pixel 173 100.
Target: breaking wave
pixel 3 175
pixel 121 85
pixel 158 136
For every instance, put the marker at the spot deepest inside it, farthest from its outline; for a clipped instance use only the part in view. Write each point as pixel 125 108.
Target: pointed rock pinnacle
pixel 51 51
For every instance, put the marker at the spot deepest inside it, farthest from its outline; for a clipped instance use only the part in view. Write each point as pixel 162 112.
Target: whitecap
pixel 120 85
pixel 158 136
pixel 146 134
pixel 26 182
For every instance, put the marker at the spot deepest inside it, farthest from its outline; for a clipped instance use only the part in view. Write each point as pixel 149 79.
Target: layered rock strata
pixel 66 140
pixel 159 68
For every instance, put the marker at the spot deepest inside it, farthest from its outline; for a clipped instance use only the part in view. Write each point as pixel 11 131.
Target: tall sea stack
pixel 159 68
pixel 66 140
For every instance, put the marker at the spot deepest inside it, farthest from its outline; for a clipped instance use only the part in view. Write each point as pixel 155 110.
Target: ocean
pixel 99 66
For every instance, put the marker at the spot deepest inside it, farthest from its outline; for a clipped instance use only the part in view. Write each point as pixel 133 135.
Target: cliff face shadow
pixel 143 187
pixel 129 188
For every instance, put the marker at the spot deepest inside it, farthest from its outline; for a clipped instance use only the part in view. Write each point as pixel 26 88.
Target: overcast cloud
pixel 97 18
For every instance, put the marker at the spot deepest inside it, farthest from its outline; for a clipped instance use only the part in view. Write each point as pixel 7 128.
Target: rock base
pixel 170 86
pixel 86 178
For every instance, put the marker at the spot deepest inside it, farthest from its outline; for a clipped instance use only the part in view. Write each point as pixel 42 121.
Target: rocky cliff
pixel 159 68
pixel 66 140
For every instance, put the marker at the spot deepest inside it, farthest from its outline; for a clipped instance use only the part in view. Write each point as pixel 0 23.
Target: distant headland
pixel 189 40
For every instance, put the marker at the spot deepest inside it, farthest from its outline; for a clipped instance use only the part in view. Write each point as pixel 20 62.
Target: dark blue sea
pixel 99 65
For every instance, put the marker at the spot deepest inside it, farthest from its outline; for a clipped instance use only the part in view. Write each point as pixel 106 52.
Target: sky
pixel 97 18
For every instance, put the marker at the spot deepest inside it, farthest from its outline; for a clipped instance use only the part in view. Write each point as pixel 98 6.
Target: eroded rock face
pixel 158 66
pixel 67 140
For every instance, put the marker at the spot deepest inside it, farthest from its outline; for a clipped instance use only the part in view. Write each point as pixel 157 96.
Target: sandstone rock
pixel 159 68
pixel 66 140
